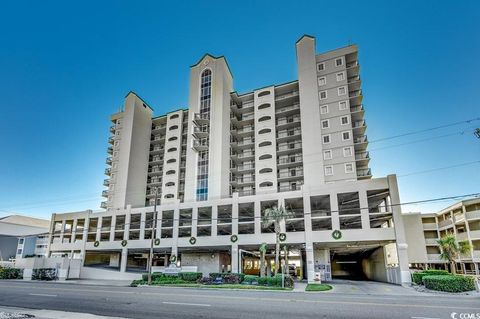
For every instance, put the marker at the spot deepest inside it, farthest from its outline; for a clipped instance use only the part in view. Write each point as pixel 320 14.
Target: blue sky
pixel 66 66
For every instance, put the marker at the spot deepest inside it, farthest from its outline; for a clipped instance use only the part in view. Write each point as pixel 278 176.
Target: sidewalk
pixel 17 313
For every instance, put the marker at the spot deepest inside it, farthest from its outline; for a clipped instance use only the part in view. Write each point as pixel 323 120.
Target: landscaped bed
pixel 441 280
pixel 318 287
pixel 217 280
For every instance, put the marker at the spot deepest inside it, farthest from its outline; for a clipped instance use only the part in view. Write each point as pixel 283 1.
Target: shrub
pixel 190 276
pixel 135 283
pixel 205 281
pixel 233 278
pixel 417 276
pixel 155 276
pixel 11 273
pixel 262 280
pixel 215 275
pixel 44 274
pixel 449 283
pixel 250 279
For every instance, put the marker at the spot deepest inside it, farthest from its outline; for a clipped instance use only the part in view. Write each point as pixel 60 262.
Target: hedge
pixel 276 281
pixel 44 274
pixel 417 276
pixel 155 276
pixel 190 276
pixel 228 278
pixel 449 283
pixel 11 273
pixel 250 279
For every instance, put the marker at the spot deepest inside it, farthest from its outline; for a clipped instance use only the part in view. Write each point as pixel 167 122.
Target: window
pixel 340 76
pixel 174 116
pixel 324 109
pixel 338 62
pixel 322 81
pixel 266 143
pixel 264 106
pixel 323 95
pixel 173 127
pixel 342 90
pixel 342 105
pixel 173 138
pixel 328 170
pixel 327 154
pixel 265 156
pixel 264 131
pixel 325 124
pixel 344 120
pixel 326 139
pixel 345 136
pixel 347 151
pixel 264 118
pixel 263 93
pixel 321 66
pixel 348 168
pixel 172 149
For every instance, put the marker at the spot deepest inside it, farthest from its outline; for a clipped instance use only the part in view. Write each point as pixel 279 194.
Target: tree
pixel 276 215
pixel 263 250
pixel 451 250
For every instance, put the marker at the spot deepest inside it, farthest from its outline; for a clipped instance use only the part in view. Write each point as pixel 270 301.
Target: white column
pixel 258 217
pixel 99 228
pixel 123 259
pixel 334 211
pixel 126 232
pixel 234 257
pixel 310 262
pixel 62 231
pixel 363 201
pixel 401 241
pixel 194 221
pixel 234 217
pixel 214 220
pixel 112 227
pixel 142 225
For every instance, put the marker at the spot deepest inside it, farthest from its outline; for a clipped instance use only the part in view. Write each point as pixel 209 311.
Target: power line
pixel 425 130
pixel 439 169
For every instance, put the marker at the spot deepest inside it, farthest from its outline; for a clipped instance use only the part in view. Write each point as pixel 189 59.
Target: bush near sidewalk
pixel 10 273
pixel 417 276
pixel 318 287
pixel 449 283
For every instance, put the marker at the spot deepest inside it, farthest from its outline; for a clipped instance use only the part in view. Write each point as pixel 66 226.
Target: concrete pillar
pixel 99 228
pixel 142 225
pixel 74 230
pixel 234 258
pixel 477 271
pixel 62 231
pixel 234 217
pixel 214 220
pixel 401 240
pixel 334 211
pixel 194 221
pixel 123 260
pixel 362 196
pixel 112 227
pixel 307 217
pixel 258 217
pixel 310 262
pixel 126 233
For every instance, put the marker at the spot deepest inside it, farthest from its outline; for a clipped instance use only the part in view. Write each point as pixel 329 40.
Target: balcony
pixel 433 257
pixel 105 193
pixel 110 150
pixel 108 161
pixel 200 146
pixel 243 181
pixel 362 158
pixel 241 145
pixel 288 110
pixel 286 96
pixel 355 97
pixel 243 131
pixel 290 188
pixel 242 119
pixel 248 192
pixel 289 162
pixel 475 234
pixel 287 176
pixel 111 139
pixel 354 83
pixel 360 143
pixel 200 132
pixel 364 173
pixel 108 171
pixel 201 119
pixel 431 241
pixel 106 182
pixel 462 236
pixel 157 139
pixel 243 168
pixel 352 69
pixel 243 156
pixel 286 149
pixel 156 160
pixel 429 226
pixel 154 181
pixel 445 223
pixel 286 123
pixel 359 127
pixel 473 215
pixel 156 150
pixel 112 129
pixel 357 112
pixel 158 128
pixel 103 205
pixel 283 137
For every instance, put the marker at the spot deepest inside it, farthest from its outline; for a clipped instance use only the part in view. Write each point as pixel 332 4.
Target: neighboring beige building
pixel 462 220
pixel 216 166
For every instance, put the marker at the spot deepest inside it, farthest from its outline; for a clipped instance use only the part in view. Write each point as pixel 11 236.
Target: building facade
pixel 213 169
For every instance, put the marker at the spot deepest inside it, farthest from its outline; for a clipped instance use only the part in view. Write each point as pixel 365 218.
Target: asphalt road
pixel 216 303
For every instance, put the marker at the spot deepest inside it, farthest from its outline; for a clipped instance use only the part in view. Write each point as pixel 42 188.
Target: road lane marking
pixel 43 295
pixel 325 301
pixel 186 304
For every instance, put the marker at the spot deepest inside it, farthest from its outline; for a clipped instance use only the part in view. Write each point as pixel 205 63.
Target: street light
pixel 152 239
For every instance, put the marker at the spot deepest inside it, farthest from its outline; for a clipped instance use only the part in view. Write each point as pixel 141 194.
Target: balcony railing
pixel 103 205
pixel 362 155
pixel 289 188
pixel 364 172
pixel 106 182
pixel 108 161
pixel 108 171
pixel 358 124
pixel 286 95
pixel 290 175
pixel 105 193
pixel 111 139
pixel 292 107
pixel 292 160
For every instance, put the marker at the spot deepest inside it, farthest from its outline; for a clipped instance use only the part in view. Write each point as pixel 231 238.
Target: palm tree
pixel 263 250
pixel 275 215
pixel 451 250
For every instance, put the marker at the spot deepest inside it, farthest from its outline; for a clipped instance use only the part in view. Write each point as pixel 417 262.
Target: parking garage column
pixel 334 215
pixel 214 220
pixel 310 261
pixel 194 221
pixel 364 210
pixel 401 239
pixel 234 258
pixel 258 217
pixel 123 259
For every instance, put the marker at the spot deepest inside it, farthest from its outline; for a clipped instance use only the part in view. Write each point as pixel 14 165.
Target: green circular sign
pixel 173 258
pixel 282 237
pixel 96 243
pixel 156 241
pixel 233 238
pixel 336 234
pixel 124 243
pixel 192 240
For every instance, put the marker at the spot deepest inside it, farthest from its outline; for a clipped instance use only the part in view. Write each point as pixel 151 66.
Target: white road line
pixel 424 318
pixel 186 304
pixel 43 295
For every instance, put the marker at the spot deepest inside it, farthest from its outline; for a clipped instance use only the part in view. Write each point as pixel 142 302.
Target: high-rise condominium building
pixel 216 166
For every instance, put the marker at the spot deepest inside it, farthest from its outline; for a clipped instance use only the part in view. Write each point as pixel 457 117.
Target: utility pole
pixel 154 227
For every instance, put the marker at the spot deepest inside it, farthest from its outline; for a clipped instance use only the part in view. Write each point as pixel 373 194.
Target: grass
pixel 222 286
pixel 318 287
